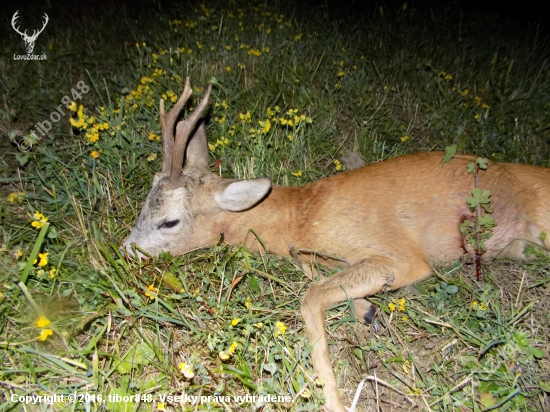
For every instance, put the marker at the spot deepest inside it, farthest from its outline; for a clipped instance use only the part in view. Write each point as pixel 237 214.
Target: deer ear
pixel 243 194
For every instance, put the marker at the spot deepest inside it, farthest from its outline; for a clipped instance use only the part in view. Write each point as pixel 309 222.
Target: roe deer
pixel 387 223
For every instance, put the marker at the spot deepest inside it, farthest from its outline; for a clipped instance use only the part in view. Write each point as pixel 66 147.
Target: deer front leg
pixel 364 278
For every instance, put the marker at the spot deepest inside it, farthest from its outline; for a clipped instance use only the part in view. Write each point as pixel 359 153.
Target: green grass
pixel 371 83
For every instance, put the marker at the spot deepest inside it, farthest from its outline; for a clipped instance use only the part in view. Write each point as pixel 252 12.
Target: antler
pixel 24 34
pixel 173 149
pixel 168 122
pixel 14 22
pixel 46 20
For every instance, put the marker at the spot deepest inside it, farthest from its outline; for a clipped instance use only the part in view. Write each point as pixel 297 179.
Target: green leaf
pixel 270 367
pixel 545 386
pixel 472 202
pixel 487 399
pixel 253 284
pixel 172 281
pixel 52 233
pixel 449 154
pixel 22 158
pixel 484 198
pixel 471 168
pixel 142 354
pixel 486 221
pixel 521 339
pixel 482 162
pixel 537 353
pixel 451 289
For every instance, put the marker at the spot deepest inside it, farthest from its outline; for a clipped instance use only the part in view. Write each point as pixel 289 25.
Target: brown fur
pixel 388 222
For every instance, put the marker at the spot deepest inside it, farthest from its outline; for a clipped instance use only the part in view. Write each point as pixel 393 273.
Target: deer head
pixel 29 40
pixel 186 197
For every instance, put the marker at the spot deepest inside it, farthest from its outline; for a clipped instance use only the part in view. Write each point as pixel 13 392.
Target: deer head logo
pixel 29 40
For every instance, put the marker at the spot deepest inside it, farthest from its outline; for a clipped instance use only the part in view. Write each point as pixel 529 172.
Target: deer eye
pixel 169 224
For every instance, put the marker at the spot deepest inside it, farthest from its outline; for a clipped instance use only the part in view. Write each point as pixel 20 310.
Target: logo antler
pixel 29 40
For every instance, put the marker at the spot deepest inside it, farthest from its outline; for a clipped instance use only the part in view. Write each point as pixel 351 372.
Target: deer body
pixel 386 223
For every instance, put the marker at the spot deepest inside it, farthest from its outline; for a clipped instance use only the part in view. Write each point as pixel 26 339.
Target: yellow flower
pixel 297 174
pixel 42 322
pixel 45 333
pixel 187 370
pixel 280 329
pixel 245 117
pixel 414 391
pixel 248 303
pixel 235 322
pixel 465 92
pixel 151 157
pixel 73 107
pixel 43 259
pixel 266 126
pixel 94 154
pixel 160 406
pixel 92 135
pixel 39 220
pixel 16 197
pixel 233 347
pixel 298 37
pixel 401 303
pixel 152 289
pixel 405 138
pixel 224 355
pixel 52 272
pixel 391 306
pixel 227 69
pixel 340 74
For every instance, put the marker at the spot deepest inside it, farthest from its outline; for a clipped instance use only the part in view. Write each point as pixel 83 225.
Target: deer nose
pixel 129 250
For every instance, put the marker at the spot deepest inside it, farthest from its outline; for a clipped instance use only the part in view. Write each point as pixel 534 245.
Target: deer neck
pixel 275 220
